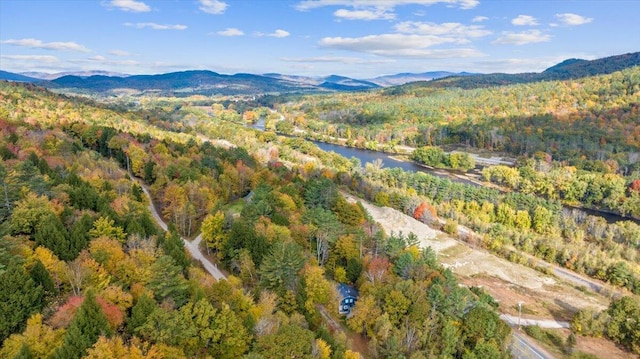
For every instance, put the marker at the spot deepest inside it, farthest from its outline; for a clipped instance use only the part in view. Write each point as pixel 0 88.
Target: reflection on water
pixel 368 156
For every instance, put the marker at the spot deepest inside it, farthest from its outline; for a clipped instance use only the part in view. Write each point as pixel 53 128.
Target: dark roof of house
pixel 347 291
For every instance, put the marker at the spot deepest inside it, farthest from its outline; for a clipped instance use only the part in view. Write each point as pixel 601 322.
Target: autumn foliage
pixel 425 209
pixel 62 318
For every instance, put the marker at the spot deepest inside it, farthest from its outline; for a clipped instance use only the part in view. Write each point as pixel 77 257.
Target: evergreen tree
pixel 167 281
pixel 79 234
pixel 280 268
pixel 136 192
pixel 321 192
pixel 149 177
pixel 243 235
pixel 173 246
pixel 140 313
pixel 19 298
pixel 41 277
pixel 51 234
pixel 86 327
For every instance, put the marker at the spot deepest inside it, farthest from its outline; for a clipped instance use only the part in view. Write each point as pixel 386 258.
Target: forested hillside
pixel 86 272
pixel 583 122
pixel 568 69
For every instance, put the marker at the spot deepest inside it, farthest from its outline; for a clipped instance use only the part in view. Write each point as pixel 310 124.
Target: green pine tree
pixel 86 327
pixel 140 313
pixel 19 298
pixel 167 281
pixel 79 234
pixel 174 247
pixel 51 234
pixel 41 277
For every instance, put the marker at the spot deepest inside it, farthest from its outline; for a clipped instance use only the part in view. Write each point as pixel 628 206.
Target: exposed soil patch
pixel 395 221
pixel 557 302
pixel 601 348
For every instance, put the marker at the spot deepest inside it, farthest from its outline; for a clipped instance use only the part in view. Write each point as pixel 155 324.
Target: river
pixel 368 156
pixel 389 161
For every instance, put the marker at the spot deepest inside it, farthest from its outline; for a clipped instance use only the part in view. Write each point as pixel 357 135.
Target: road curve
pixel 192 246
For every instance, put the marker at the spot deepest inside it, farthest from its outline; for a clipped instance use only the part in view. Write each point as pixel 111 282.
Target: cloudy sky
pixel 358 38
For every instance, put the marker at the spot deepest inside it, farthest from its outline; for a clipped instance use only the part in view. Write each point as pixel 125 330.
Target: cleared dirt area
pixel 544 296
pixel 546 302
pixel 507 282
pixel 395 221
pixel 601 348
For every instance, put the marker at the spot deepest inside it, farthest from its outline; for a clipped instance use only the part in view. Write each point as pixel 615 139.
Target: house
pixel 348 298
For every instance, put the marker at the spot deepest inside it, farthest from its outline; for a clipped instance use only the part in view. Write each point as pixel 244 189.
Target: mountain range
pixel 48 76
pixel 209 82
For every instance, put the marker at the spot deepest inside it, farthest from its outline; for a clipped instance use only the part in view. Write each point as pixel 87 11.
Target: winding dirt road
pixel 192 246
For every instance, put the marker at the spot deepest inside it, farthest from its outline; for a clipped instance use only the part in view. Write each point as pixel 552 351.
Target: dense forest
pixel 85 271
pixel 590 123
pixel 576 141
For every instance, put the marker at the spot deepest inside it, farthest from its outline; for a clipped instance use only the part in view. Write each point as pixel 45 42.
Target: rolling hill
pixel 566 70
pixel 52 76
pixel 209 82
pixel 10 76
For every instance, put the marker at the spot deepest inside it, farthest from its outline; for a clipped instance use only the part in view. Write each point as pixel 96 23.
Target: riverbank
pixel 400 160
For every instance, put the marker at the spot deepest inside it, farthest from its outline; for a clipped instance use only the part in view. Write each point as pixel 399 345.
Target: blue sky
pixel 357 38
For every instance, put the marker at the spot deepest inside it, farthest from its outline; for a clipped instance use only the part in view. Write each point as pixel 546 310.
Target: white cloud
pixel 381 4
pixel 382 44
pixel 480 19
pixel 22 63
pixel 399 45
pixel 231 31
pixel 376 9
pixel 378 14
pixel 38 44
pixel 215 7
pixel 336 59
pixel 278 33
pixel 35 58
pixel 522 38
pixel 119 53
pixel 128 5
pixel 453 30
pixel 414 39
pixel 102 62
pixel 570 19
pixel 154 26
pixel 524 20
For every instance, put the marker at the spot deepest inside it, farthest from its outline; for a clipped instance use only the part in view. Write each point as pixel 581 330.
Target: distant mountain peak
pixel 406 77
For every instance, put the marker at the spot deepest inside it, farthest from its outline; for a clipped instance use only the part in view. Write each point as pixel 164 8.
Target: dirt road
pixel 192 246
